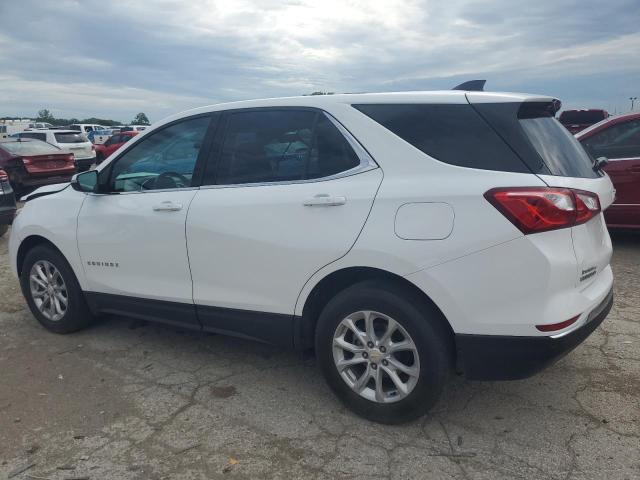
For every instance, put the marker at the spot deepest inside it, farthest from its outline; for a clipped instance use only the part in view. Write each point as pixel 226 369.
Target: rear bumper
pixel 497 357
pixel 33 181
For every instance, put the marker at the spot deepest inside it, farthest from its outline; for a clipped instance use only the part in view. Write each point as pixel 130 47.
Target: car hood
pixel 46 190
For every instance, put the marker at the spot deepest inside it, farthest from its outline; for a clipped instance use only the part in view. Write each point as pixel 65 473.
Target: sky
pixel 113 59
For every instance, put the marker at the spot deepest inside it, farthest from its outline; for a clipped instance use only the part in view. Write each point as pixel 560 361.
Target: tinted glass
pixel 37 136
pixel 166 159
pixel 586 116
pixel 561 152
pixel 453 134
pixel 70 137
pixel 621 140
pixel 33 147
pixel 281 145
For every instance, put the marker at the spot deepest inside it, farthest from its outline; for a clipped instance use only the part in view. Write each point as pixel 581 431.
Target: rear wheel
pixel 52 291
pixel 383 352
pixel 99 158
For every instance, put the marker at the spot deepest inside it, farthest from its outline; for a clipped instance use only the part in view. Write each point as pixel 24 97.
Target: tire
pixel 76 315
pixel 3 229
pixel 433 346
pixel 99 158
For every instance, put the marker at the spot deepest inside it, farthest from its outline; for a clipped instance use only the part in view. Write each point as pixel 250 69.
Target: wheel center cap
pixel 375 355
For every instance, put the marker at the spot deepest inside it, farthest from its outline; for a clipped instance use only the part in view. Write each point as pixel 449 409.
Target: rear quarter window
pixel 451 133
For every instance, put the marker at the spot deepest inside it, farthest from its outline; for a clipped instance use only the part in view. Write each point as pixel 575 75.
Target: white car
pixel 86 127
pixel 70 141
pixel 401 235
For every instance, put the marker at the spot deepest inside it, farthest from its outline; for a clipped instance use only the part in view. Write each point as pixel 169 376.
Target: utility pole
pixel 633 99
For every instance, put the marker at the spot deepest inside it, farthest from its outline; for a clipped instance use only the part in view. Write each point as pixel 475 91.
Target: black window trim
pixel 366 160
pixel 198 170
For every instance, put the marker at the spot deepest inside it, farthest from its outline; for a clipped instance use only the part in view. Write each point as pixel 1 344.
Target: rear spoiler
pixel 471 86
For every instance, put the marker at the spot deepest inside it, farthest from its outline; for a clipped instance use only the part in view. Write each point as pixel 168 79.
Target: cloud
pixel 116 58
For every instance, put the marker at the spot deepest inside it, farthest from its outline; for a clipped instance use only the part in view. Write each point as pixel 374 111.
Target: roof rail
pixel 471 86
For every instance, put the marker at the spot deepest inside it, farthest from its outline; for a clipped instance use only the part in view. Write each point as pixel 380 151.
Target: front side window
pixel 621 140
pixel 165 159
pixel 281 145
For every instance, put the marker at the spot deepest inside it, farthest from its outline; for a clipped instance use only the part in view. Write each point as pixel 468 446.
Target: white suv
pixel 402 235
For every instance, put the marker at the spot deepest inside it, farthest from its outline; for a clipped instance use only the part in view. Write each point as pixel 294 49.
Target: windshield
pixel 586 116
pixel 561 152
pixel 34 147
pixel 70 138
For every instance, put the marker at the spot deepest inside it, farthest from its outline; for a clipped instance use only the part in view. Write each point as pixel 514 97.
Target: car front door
pixel 132 237
pixel 289 193
pixel 620 144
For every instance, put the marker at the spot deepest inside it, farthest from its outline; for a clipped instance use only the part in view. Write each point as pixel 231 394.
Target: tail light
pixel 540 209
pixel 3 176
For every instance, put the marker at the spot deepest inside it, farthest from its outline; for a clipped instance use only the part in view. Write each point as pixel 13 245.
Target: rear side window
pixel 70 138
pixel 451 133
pixel 281 145
pixel 37 136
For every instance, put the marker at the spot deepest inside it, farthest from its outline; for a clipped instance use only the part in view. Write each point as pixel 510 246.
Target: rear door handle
pixel 167 206
pixel 325 200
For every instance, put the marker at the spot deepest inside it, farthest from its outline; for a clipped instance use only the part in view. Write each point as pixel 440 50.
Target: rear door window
pixel 266 146
pixel 37 136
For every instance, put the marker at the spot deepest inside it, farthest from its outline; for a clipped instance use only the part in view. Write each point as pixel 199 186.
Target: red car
pixel 112 144
pixel 577 120
pixel 32 163
pixel 618 139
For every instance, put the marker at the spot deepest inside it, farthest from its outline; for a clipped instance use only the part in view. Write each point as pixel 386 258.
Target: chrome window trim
pixel 622 159
pixel 366 163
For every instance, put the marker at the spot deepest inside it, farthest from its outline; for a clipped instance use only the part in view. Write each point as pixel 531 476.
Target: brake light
pixel 540 209
pixel 3 176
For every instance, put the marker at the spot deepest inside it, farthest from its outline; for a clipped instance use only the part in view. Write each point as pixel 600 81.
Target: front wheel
pixel 383 352
pixel 52 291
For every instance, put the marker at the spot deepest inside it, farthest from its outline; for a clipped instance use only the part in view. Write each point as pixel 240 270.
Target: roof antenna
pixel 471 86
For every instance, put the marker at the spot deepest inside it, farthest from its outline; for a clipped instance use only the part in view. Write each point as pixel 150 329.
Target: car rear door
pixel 287 192
pixel 620 144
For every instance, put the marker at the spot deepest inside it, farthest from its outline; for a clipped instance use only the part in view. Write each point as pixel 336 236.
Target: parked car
pixel 577 120
pixel 7 203
pixel 31 163
pixel 402 235
pixel 112 144
pixel 98 137
pixel 134 128
pixel 618 140
pixel 39 126
pixel 68 140
pixel 85 128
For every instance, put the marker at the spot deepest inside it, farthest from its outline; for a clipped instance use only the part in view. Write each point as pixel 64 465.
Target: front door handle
pixel 325 200
pixel 167 206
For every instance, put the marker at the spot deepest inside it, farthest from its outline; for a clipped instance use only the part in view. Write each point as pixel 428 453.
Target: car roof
pixel 54 130
pixel 320 101
pixel 612 120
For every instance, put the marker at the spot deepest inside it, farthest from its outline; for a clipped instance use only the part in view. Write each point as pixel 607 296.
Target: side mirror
pixel 85 182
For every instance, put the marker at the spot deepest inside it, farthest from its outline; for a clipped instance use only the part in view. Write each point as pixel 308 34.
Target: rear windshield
pixel 561 152
pixel 34 147
pixel 585 116
pixel 451 133
pixel 70 138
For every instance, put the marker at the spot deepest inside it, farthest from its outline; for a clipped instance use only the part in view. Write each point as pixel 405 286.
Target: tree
pixel 45 115
pixel 140 119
